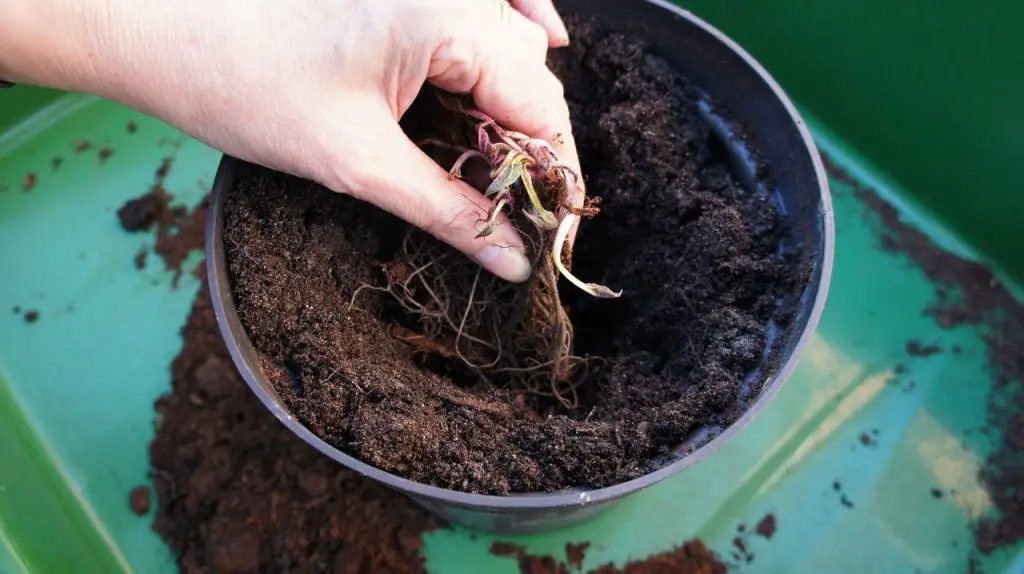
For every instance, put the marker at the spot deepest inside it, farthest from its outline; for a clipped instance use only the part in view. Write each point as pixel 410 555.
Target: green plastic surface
pixel 77 386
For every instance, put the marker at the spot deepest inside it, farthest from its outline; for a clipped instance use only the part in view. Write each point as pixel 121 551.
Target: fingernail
pixel 562 33
pixel 506 262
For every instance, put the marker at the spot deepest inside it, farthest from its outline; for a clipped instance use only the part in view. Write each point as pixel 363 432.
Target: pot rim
pixel 235 337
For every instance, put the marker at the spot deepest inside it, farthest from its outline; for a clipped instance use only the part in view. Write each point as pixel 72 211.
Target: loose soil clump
pixel 314 277
pixel 235 490
pixel 139 500
pixel 179 231
pixel 239 492
pixel 692 557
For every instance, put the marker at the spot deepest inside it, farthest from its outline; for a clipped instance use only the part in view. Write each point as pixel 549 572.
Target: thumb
pixel 414 188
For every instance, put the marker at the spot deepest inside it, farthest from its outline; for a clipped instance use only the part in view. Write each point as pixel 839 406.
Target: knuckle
pixel 449 221
pixel 455 61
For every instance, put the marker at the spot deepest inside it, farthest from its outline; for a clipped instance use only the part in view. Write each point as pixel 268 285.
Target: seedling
pixel 517 162
pixel 515 336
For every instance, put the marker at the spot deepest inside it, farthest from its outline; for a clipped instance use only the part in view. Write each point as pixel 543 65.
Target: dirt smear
pixel 967 293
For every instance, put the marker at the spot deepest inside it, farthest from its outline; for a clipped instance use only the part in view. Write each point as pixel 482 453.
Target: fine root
pixel 512 336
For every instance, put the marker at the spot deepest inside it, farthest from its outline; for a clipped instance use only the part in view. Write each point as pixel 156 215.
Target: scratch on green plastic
pixel 9 560
pixel 44 526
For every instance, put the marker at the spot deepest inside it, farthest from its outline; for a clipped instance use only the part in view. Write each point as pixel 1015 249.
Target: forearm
pixel 110 48
pixel 51 43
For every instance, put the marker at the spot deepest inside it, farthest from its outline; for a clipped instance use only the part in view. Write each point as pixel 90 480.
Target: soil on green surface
pixel 179 231
pixel 139 500
pixel 695 254
pixel 690 558
pixel 967 293
pixel 236 491
pixel 28 183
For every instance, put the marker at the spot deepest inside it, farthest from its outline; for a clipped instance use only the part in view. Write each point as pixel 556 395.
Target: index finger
pixel 518 90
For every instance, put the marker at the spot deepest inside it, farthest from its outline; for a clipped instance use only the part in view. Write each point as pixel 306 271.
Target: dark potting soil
pixel 235 491
pixel 694 252
pixel 968 293
pixel 179 231
pixel 239 492
pixel 690 558
pixel 139 500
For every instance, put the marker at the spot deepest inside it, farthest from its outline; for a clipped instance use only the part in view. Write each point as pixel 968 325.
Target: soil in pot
pixel 237 491
pixel 696 255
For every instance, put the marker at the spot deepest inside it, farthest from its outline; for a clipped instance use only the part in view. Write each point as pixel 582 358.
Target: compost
pixel 239 492
pixel 179 231
pixel 236 491
pixel 694 253
pixel 692 557
pixel 967 293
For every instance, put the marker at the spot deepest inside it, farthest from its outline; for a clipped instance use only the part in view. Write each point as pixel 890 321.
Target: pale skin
pixel 314 88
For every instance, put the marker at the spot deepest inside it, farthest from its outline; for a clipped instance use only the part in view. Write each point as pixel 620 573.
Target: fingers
pixel 543 13
pixel 517 89
pixel 414 188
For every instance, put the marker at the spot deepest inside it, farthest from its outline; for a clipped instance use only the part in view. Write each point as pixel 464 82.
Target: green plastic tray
pixel 77 386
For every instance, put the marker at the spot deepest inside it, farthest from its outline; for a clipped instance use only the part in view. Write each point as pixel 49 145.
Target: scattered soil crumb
pixel 179 230
pixel 741 528
pixel 84 145
pixel 576 553
pixel 140 258
pixel 139 500
pixel 236 491
pixel 104 154
pixel 56 162
pixel 505 549
pixel 845 501
pixel 31 316
pixel 916 349
pixel 742 553
pixel 28 183
pixel 766 528
pixel 132 127
pixel 690 558
pixel 867 440
pixel 936 493
pixel 140 213
pixel 164 169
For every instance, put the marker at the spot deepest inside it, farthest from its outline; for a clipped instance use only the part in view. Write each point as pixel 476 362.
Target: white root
pixel 561 235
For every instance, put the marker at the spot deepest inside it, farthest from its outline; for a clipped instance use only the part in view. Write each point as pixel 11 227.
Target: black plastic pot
pixel 733 81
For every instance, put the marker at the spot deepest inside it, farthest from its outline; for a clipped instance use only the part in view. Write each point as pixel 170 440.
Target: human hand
pixel 314 87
